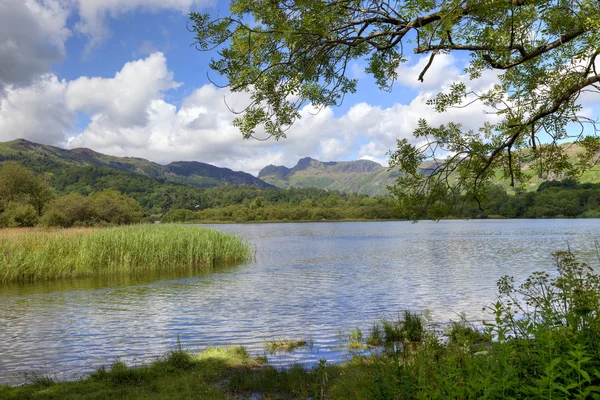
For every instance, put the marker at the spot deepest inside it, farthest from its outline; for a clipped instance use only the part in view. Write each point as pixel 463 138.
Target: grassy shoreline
pixel 551 350
pixel 31 255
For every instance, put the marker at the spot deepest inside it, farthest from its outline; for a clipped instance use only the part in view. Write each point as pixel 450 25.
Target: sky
pixel 121 77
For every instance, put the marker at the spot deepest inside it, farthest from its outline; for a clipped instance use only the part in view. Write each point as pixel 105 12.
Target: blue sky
pixel 121 77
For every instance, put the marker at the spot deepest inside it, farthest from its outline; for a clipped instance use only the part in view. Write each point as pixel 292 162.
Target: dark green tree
pixel 20 185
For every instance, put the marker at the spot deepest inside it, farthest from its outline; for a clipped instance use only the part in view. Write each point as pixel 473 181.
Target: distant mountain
pixel 44 158
pixel 368 177
pixel 360 176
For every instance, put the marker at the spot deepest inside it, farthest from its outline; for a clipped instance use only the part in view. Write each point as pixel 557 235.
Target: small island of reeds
pixel 31 255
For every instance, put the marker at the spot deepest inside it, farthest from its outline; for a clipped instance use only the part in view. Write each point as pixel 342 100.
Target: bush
pixel 546 345
pixel 180 215
pixel 75 208
pixel 412 327
pixel 54 219
pixel 115 208
pixel 17 215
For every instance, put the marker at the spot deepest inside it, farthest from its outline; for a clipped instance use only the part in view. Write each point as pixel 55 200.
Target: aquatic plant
pixel 29 255
pixel 288 345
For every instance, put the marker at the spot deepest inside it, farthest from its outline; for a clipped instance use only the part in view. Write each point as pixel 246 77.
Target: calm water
pixel 309 281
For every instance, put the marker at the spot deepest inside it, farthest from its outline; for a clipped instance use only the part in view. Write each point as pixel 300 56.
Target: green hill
pixel 368 177
pixel 44 158
pixel 360 176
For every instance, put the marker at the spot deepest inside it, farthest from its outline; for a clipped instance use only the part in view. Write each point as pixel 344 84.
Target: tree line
pixel 85 196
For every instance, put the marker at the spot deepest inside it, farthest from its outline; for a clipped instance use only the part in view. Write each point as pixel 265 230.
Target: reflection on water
pixel 309 281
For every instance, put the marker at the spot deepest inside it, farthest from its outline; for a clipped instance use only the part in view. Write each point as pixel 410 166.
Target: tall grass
pixel 28 255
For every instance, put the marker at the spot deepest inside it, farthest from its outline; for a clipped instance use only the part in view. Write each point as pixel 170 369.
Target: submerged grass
pixel 28 255
pixel 288 345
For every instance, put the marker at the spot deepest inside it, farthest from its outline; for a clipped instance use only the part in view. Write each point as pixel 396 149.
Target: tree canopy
pixel 289 53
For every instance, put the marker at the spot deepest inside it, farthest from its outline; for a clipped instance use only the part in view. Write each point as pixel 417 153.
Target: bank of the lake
pixel 35 254
pixel 307 281
pixel 549 351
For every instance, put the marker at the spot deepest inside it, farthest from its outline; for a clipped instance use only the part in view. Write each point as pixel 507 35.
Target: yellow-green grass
pixel 29 255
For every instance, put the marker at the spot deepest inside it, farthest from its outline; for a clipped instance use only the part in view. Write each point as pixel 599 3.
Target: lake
pixel 308 281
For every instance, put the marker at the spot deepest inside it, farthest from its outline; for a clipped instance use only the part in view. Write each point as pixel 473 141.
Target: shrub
pixel 75 208
pixel 18 214
pixel 546 345
pixel 54 218
pixel 115 208
pixel 412 328
pixel 180 215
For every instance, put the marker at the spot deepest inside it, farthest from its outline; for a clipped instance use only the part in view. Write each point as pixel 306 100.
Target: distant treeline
pixel 244 204
pixel 84 196
pixel 552 199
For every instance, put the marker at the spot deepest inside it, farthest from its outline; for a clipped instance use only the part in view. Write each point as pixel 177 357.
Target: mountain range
pixel 44 158
pixel 360 176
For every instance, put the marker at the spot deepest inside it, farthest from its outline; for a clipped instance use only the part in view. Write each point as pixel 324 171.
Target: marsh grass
pixel 29 255
pixel 409 327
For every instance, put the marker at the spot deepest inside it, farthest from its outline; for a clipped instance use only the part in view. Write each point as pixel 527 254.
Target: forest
pixel 88 196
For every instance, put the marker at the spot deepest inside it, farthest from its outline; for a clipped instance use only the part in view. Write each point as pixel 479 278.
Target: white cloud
pixel 36 112
pixel 202 129
pixel 33 32
pixel 441 70
pixel 123 99
pixel 32 36
pixel 129 116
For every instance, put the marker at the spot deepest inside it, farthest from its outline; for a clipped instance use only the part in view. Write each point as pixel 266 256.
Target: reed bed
pixel 29 255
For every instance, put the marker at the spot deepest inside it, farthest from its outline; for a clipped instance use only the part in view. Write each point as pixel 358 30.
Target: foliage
pixel 29 255
pixel 115 208
pixel 289 54
pixel 541 343
pixel 20 185
pixel 89 203
pixel 18 214
pixel 154 195
pixel 104 208
pixel 408 328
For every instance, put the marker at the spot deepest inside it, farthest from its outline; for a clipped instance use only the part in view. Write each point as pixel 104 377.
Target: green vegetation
pixel 553 199
pixel 360 176
pixel 288 345
pixel 28 255
pixel 247 204
pixel 53 160
pixel 90 196
pixel 543 341
pixel 93 198
pixel 541 56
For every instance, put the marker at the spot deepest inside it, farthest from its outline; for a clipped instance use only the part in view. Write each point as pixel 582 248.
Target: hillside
pixel 360 176
pixel 44 158
pixel 368 177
